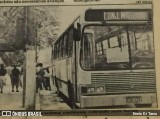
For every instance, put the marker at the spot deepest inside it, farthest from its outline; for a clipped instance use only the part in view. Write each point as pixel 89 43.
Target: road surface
pixel 45 100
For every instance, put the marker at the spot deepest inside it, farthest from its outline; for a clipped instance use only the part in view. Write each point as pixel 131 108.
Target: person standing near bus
pixel 15 78
pixel 47 79
pixel 40 77
pixel 3 72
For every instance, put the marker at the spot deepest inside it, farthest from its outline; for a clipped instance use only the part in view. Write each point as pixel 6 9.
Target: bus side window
pixel 65 46
pixel 61 46
pixel 58 49
pixel 55 51
pixel 70 42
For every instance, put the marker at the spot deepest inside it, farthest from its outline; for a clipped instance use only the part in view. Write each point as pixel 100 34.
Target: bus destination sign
pixel 125 15
pixel 118 15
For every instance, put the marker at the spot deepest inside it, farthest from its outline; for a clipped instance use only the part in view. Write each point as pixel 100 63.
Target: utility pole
pixel 29 89
pixel 36 41
pixel 24 64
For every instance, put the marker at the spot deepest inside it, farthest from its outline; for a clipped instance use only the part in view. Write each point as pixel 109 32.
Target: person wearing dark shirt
pixel 39 77
pixel 3 72
pixel 15 78
pixel 47 79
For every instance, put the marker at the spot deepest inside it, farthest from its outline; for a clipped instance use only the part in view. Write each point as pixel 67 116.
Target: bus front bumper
pixel 118 100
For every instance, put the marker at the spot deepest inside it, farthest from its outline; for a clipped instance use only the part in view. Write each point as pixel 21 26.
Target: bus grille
pixel 126 82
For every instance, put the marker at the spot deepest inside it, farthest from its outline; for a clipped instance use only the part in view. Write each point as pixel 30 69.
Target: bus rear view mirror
pixel 77 32
pixel 76 35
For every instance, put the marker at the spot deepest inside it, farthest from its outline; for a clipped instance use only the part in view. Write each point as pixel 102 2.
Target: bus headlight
pixel 90 90
pixel 100 89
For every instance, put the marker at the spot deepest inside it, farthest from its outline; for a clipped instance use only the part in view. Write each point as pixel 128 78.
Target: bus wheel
pixel 71 95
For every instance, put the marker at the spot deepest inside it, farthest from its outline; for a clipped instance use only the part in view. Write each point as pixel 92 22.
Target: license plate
pixel 136 99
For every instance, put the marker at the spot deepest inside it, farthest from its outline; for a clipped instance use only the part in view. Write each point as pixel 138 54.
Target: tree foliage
pixel 8 23
pixel 47 25
pixel 43 23
pixel 13 58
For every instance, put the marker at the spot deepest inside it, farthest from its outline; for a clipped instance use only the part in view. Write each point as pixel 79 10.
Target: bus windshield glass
pixel 117 47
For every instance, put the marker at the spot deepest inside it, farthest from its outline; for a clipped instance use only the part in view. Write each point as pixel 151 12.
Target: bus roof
pixel 106 7
pixel 71 24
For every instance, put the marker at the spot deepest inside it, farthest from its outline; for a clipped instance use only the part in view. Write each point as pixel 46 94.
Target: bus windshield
pixel 117 47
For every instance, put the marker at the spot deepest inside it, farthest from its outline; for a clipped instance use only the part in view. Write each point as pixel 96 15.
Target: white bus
pixel 106 58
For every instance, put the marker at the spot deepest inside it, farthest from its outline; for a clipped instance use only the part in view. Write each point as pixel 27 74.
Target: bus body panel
pixel 121 87
pixel 118 100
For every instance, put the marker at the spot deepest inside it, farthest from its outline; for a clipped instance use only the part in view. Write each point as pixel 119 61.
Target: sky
pixel 68 14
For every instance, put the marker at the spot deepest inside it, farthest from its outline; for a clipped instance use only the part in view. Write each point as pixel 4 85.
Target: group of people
pixel 14 75
pixel 42 78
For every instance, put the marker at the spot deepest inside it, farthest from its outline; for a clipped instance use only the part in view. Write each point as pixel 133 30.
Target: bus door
pixel 88 50
pixel 71 67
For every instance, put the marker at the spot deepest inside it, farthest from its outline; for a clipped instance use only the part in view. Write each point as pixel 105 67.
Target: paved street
pixel 45 100
pixel 50 101
pixel 11 100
